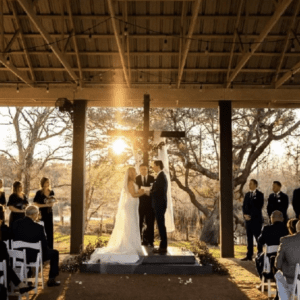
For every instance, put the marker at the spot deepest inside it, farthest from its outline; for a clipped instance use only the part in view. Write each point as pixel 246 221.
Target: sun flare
pixel 119 146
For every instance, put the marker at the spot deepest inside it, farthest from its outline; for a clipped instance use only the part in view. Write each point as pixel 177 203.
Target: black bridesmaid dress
pixel 17 202
pixel 47 215
pixel 2 202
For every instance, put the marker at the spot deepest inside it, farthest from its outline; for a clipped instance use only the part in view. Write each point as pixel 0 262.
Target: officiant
pixel 146 211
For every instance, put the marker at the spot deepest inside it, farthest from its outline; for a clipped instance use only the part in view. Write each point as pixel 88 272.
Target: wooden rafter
pixel 12 40
pixel 268 27
pixel 235 36
pixel 75 43
pixel 29 63
pixel 10 67
pixel 182 34
pixel 188 40
pixel 127 39
pixel 120 49
pixel 31 14
pixel 62 25
pixel 1 27
pixel 287 40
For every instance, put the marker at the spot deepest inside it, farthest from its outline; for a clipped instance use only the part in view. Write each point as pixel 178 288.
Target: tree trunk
pixel 211 228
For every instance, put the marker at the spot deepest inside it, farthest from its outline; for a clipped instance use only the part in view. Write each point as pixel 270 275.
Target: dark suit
pixel 270 235
pixel 296 202
pixel 146 212
pixel 159 203
pixel 27 230
pixel 252 206
pixel 278 202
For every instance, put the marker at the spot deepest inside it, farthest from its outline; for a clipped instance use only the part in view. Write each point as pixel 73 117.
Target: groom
pixel 158 195
pixel 146 211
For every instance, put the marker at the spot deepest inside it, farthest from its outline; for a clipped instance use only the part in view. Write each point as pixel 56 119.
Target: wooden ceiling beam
pixel 2 46
pixel 182 34
pixel 186 49
pixel 195 70
pixel 235 36
pixel 151 53
pixel 221 17
pixel 23 42
pixel 118 41
pixel 51 43
pixel 205 36
pixel 284 4
pixel 75 43
pixel 12 40
pixel 10 67
pixel 287 41
pixel 127 39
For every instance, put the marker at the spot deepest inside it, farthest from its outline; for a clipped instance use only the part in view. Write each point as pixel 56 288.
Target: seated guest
pixel 291 225
pixel 296 202
pixel 288 256
pixel 270 236
pixel 252 211
pixel 17 203
pixel 27 230
pixel 5 232
pixel 2 201
pixel 278 201
pixel 11 275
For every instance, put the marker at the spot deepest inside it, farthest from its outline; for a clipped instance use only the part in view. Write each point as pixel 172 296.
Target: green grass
pixel 62 243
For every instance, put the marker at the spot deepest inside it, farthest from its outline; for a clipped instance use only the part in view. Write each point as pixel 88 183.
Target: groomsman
pixel 146 211
pixel 296 202
pixel 278 201
pixel 252 211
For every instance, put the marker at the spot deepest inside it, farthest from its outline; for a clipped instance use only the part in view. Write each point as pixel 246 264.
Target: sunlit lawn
pixel 62 243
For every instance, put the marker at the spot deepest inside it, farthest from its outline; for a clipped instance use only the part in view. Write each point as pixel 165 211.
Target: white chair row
pixel 296 283
pixel 21 267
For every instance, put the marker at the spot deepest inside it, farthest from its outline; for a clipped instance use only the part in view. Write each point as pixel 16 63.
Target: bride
pixel 124 245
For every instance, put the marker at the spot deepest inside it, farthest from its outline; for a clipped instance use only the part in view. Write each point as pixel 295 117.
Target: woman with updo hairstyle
pixel 44 199
pixel 2 202
pixel 17 203
pixel 291 225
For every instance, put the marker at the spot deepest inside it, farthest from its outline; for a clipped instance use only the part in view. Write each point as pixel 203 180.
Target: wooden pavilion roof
pixel 184 53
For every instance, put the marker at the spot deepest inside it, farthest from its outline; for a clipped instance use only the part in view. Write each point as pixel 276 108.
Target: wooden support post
pixel 78 176
pixel 146 127
pixel 226 182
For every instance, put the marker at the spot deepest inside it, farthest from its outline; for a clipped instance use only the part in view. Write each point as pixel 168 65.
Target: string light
pixel 293 49
pixel 17 90
pixel 200 89
pixel 125 31
pixel 47 89
pixel 170 85
pixel 292 77
pixel 165 45
pixel 206 49
pixel 7 60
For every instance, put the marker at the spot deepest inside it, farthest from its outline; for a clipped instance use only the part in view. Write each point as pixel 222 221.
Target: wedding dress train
pixel 124 246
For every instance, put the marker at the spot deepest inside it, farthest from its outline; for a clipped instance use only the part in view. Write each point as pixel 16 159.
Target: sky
pixel 277 147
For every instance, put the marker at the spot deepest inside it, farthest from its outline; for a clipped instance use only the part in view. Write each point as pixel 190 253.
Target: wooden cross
pixel 146 133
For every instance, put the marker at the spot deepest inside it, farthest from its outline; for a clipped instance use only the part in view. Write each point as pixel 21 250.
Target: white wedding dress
pixel 124 246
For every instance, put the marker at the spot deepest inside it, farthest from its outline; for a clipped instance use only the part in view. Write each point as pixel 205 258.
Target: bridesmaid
pixel 2 202
pixel 42 196
pixel 17 203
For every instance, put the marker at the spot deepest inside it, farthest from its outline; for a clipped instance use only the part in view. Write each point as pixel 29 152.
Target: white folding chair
pixel 296 284
pixel 7 244
pixel 19 268
pixel 37 264
pixel 3 277
pixel 267 269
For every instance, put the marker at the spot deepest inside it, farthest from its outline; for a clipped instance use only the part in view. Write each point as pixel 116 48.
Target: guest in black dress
pixel 42 199
pixel 17 203
pixel 2 202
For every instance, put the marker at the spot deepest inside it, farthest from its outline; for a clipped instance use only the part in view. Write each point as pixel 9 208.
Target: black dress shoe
pixel 26 289
pixel 52 282
pixel 246 258
pixel 160 251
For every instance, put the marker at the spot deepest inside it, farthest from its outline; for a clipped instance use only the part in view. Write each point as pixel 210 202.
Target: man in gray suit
pixel 288 256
